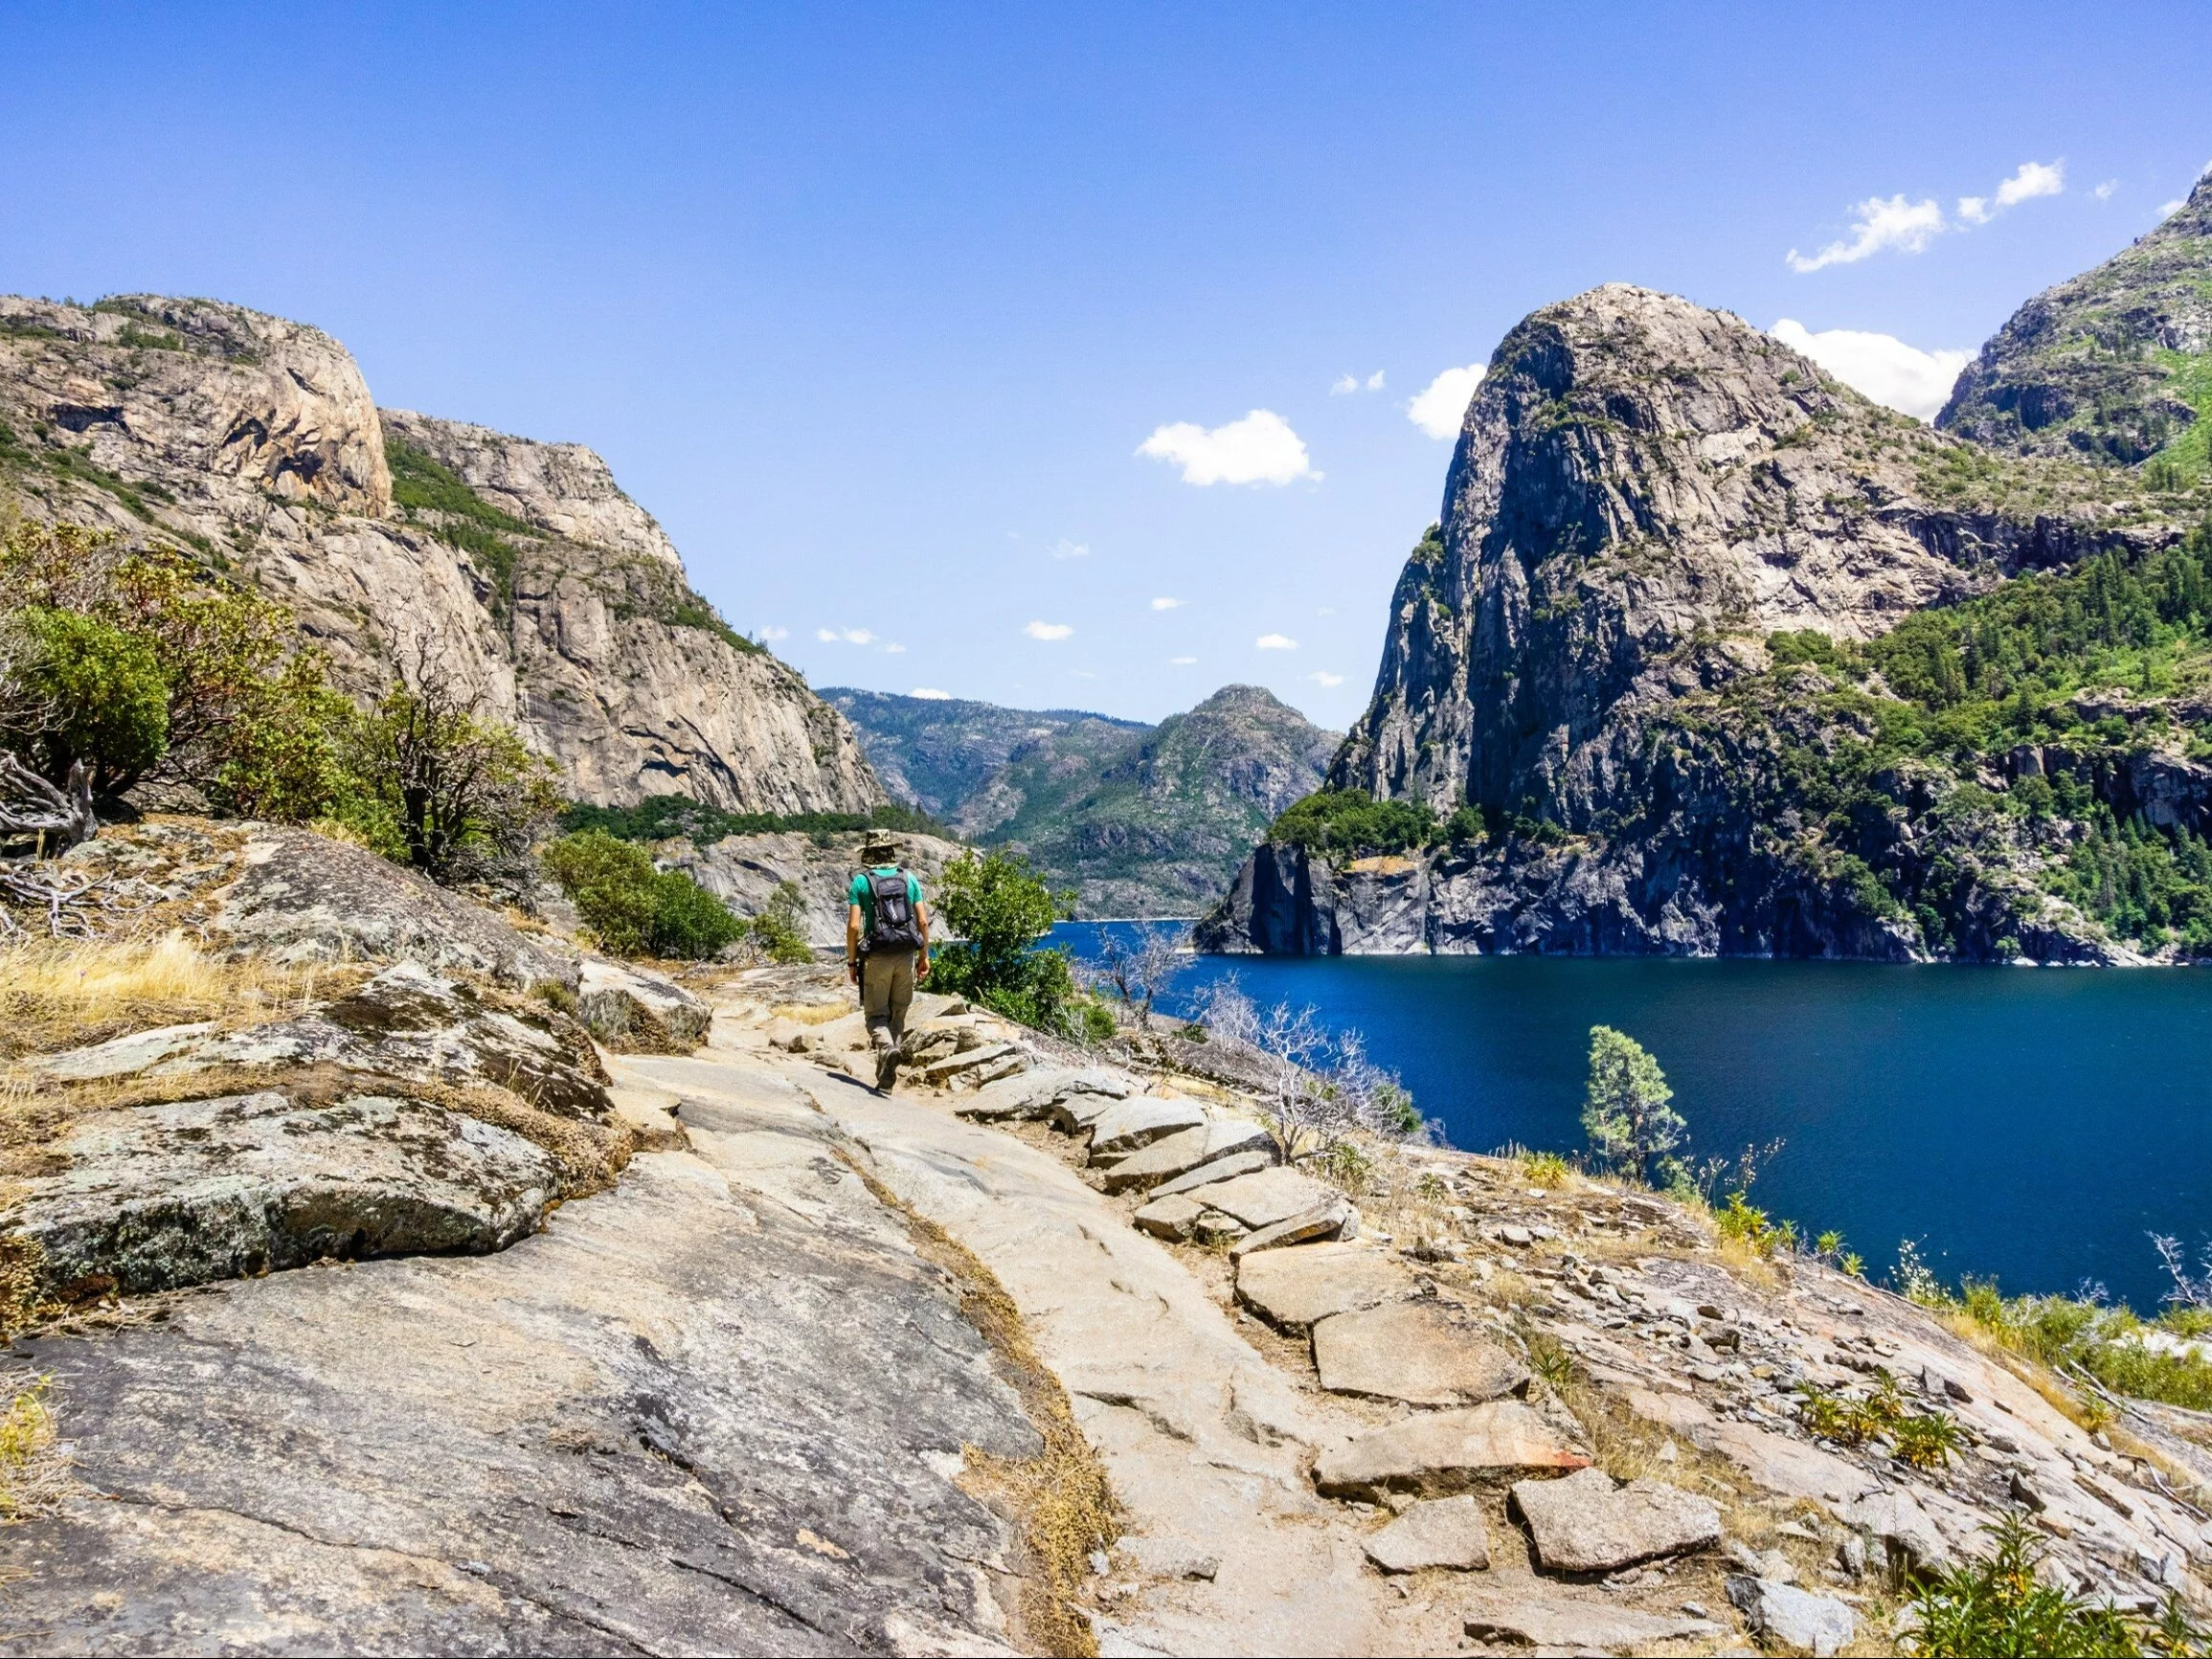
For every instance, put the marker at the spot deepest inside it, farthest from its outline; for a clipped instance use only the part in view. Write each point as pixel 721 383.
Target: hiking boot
pixel 886 1068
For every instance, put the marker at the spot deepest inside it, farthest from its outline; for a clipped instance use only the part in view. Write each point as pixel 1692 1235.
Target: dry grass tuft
pixel 1061 1497
pixel 810 1013
pixel 32 1466
pixel 57 994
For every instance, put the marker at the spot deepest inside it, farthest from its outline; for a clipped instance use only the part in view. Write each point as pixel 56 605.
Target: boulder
pixel 1798 1619
pixel 1440 1453
pixel 1563 1621
pixel 1268 1196
pixel 300 898
pixel 1584 1524
pixel 1222 1168
pixel 1412 1351
pixel 640 1012
pixel 1138 1122
pixel 150 1197
pixel 1190 1149
pixel 1291 1290
pixel 1441 1532
pixel 1334 1218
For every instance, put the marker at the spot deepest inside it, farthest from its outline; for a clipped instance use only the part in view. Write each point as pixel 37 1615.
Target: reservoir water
pixel 2034 1124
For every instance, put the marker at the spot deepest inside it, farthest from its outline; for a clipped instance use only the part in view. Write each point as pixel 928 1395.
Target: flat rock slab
pixel 1584 1524
pixel 1224 1169
pixel 155 1197
pixel 1441 1453
pixel 1903 1527
pixel 1409 1351
pixel 1140 1121
pixel 636 1011
pixel 300 898
pixel 659 1425
pixel 982 1058
pixel 1798 1619
pixel 1552 1618
pixel 122 1056
pixel 1269 1196
pixel 1186 1151
pixel 1293 1288
pixel 1441 1532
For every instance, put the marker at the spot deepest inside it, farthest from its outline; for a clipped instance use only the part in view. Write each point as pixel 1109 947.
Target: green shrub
pixel 1999 1606
pixel 998 909
pixel 776 928
pixel 95 693
pixel 1625 1111
pixel 1346 823
pixel 636 909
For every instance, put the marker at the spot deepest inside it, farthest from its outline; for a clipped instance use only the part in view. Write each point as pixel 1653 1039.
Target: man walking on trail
pixel 887 948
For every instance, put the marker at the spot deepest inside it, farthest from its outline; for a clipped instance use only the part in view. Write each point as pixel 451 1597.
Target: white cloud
pixel 1182 661
pixel 1048 630
pixel 1375 381
pixel 1882 223
pixel 1323 677
pixel 1344 385
pixel 1891 223
pixel 1442 405
pixel 846 636
pixel 1276 642
pixel 1166 604
pixel 1326 611
pixel 1907 379
pixel 931 694
pixel 1064 548
pixel 772 634
pixel 895 650
pixel 2104 192
pixel 1261 448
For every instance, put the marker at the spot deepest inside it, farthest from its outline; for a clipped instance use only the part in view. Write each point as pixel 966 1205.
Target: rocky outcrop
pixel 940 752
pixel 2113 367
pixel 253 442
pixel 1645 494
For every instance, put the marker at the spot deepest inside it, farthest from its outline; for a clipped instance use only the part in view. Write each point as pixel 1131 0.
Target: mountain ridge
pixel 522 566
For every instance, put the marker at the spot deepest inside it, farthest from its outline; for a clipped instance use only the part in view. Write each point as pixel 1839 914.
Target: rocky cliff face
pixel 1646 496
pixel 1139 820
pixel 2113 367
pixel 255 441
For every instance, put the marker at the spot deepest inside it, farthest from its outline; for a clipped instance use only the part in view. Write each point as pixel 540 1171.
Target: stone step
pixel 1184 1150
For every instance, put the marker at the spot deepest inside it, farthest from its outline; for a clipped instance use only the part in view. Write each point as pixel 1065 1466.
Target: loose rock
pixel 1268 1197
pixel 1238 1163
pixel 1335 1218
pixel 1185 1152
pixel 640 1012
pixel 1293 1289
pixel 1817 1625
pixel 1441 1532
pixel 1138 1122
pixel 1562 1621
pixel 1583 1524
pixel 1412 1351
pixel 1440 1453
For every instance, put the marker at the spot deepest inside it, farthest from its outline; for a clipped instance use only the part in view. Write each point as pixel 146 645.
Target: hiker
pixel 887 948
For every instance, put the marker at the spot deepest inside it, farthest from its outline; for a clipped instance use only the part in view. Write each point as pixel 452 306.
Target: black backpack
pixel 895 927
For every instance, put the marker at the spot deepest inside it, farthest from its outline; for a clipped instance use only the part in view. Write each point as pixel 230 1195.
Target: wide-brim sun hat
pixel 878 850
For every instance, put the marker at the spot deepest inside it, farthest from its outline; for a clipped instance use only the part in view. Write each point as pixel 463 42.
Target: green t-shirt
pixel 864 895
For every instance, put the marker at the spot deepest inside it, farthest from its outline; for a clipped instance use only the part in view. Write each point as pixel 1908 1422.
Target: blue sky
pixel 875 308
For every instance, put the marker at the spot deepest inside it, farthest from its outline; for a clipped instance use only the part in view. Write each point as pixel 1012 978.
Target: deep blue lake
pixel 2031 1123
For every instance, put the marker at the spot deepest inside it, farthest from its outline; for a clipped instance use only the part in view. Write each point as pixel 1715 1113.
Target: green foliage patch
pixel 637 911
pixel 1001 909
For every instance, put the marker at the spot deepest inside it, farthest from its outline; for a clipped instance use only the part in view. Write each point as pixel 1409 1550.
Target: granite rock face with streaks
pixel 254 440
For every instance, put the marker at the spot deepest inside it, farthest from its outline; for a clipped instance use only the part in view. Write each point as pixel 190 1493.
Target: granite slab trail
pixel 1202 1438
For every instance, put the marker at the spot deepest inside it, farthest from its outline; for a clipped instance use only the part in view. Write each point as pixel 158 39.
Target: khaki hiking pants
pixel 885 993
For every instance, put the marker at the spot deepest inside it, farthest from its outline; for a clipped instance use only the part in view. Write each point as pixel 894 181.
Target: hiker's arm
pixel 921 968
pixel 852 941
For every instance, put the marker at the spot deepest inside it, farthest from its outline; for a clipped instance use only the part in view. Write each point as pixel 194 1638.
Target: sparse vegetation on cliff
pixel 659 817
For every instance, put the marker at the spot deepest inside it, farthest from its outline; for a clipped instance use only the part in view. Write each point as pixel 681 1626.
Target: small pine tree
pixel 1625 1112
